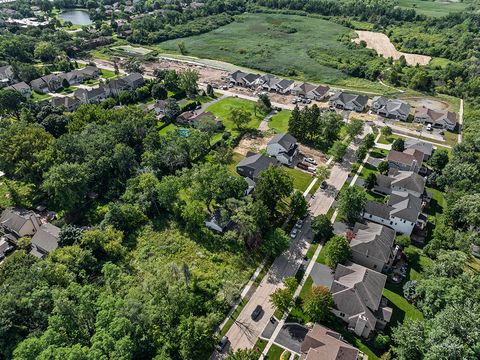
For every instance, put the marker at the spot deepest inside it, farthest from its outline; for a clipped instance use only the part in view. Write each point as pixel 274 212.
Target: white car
pixel 310 160
pixel 299 224
pixel 293 233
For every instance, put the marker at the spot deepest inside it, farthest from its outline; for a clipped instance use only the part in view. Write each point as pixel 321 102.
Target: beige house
pixel 19 222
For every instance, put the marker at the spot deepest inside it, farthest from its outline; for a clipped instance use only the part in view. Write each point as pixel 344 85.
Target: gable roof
pixel 13 219
pixel 6 72
pixel 238 75
pixel 419 145
pixel 392 105
pixel 408 180
pixel 346 98
pixel 250 78
pixel 405 206
pixel 285 140
pixel 257 162
pixel 323 343
pixel 406 157
pixel 284 83
pixel 66 101
pixel 373 240
pixel 46 238
pixel 320 90
pixel 133 78
pixel 18 87
pixel 436 116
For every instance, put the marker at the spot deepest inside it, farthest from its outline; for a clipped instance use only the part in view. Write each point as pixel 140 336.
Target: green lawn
pixel 433 8
pixel 274 353
pixel 108 74
pixel 301 179
pixel 279 121
pixel 169 127
pixel 222 110
pixel 36 96
pixel 402 309
pixel 236 158
pixel 269 43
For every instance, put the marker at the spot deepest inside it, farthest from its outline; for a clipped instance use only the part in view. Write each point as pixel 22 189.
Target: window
pixel 342 314
pixel 370 216
pixel 391 222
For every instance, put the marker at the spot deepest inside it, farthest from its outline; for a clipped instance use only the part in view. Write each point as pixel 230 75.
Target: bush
pixel 381 341
pixel 387 131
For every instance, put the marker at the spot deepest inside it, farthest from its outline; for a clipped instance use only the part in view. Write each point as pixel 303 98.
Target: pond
pixel 76 17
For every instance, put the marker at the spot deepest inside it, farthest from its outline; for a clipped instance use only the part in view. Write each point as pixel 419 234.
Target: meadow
pixel 433 8
pixel 299 47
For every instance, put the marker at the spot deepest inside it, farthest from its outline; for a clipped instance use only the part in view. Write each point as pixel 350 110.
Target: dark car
pixel 323 185
pixel 256 312
pixel 221 345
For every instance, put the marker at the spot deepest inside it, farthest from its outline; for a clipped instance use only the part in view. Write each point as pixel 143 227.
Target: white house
pixel 283 147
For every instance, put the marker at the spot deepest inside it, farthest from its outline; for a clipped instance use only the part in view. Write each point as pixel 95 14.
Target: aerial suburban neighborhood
pixel 239 180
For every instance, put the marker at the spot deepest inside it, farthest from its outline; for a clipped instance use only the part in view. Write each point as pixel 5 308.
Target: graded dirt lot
pixel 427 102
pixel 382 45
pixel 254 143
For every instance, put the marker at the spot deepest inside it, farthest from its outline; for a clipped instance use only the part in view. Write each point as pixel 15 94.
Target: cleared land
pixel 295 46
pixel 132 50
pixel 433 8
pixel 383 46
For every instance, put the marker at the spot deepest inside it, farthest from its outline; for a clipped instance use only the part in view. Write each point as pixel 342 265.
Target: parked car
pixel 256 312
pixel 299 224
pixel 429 127
pixel 294 101
pixel 323 185
pixel 293 233
pixel 310 160
pixel 308 101
pixel 221 345
pixel 302 165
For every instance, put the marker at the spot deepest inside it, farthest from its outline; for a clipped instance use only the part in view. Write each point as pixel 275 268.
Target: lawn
pixel 274 353
pixel 169 127
pixel 108 74
pixel 222 108
pixel 402 309
pixel 279 121
pixel 433 8
pixel 301 179
pixel 269 43
pixel 236 158
pixel 36 96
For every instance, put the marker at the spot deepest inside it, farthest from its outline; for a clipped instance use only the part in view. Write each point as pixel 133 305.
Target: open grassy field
pixel 435 8
pixel 296 46
pixel 279 121
pixel 222 110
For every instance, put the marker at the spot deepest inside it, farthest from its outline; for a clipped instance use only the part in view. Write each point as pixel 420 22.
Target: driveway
pixel 291 337
pixel 245 331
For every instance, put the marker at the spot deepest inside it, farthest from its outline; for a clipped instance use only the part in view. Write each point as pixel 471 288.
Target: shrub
pixel 381 341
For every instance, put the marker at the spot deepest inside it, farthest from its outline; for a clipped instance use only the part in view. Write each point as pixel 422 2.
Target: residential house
pixel 22 88
pixel 237 78
pixel 185 118
pixel 442 119
pixel 19 222
pixel 402 212
pixel 159 107
pixel 310 91
pixel 47 83
pixel 283 147
pixel 373 246
pixel 219 221
pixel 134 80
pixel 45 240
pixel 250 80
pixel 406 181
pixel 351 102
pixel 392 109
pixel 6 247
pixel 357 296
pixel 269 82
pixel 253 164
pixel 284 86
pixel 325 344
pixel 7 75
pixel 408 160
pixel 92 96
pixel 78 76
pixel 116 86
pixel 69 103
pixel 424 147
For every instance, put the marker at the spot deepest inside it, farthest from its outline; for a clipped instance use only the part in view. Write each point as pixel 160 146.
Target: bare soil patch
pixel 317 155
pixel 254 143
pixel 427 102
pixel 382 45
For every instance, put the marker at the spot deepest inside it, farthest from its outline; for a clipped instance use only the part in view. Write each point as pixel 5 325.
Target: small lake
pixel 76 17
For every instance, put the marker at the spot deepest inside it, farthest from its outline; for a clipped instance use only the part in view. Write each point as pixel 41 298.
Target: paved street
pixel 245 331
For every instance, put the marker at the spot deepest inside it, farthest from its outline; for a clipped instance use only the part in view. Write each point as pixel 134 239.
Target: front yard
pixel 279 121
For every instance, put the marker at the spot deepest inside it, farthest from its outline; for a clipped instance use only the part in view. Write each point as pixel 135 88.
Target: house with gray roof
pixel 372 246
pixel 22 88
pixel 250 80
pixel 19 222
pixel 219 221
pixel 357 297
pixel 253 164
pixel 134 80
pixel 92 96
pixel 402 212
pixel 424 147
pixel 237 78
pixel 352 102
pixel 440 119
pixel 47 83
pixel 283 147
pixel 69 103
pixel 116 86
pixel 45 240
pixel 309 91
pixel 269 82
pixel 391 108
pixel 7 75
pixel 406 181
pixel 284 86
pixel 325 344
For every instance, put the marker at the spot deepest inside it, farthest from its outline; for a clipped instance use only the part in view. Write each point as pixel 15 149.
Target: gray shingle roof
pixel 46 237
pixel 346 98
pixel 405 206
pixel 373 240
pixel 258 163
pixel 13 219
pixel 419 145
pixel 285 140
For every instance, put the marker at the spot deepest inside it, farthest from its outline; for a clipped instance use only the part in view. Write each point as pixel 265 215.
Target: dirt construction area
pixel 382 45
pixel 429 103
pixel 254 143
